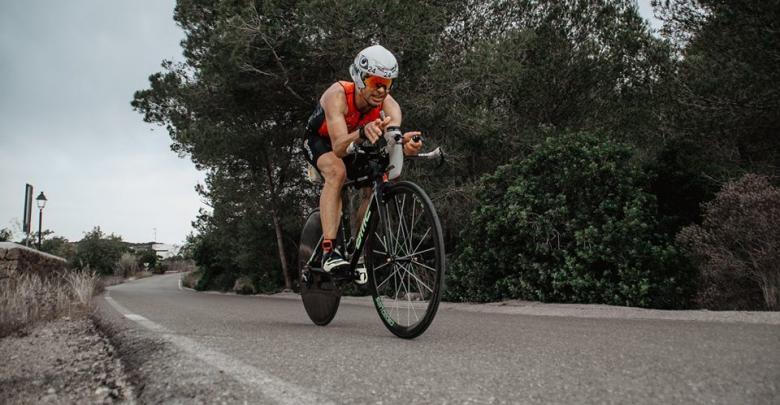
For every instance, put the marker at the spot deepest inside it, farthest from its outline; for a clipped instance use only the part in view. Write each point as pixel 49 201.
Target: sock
pixel 327 246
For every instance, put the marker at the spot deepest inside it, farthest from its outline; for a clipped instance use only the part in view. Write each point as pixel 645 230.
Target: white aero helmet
pixel 373 61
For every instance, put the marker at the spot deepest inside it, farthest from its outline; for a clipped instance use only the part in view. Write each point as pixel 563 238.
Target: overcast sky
pixel 68 71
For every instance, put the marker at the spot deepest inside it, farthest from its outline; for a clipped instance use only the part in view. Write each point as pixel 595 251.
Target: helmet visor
pixel 376 82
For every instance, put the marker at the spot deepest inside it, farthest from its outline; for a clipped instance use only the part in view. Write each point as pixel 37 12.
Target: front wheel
pixel 405 260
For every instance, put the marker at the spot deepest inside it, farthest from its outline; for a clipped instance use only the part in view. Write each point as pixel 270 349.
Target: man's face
pixel 376 89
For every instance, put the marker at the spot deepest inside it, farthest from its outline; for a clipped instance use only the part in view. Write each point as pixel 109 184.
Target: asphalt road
pixel 185 346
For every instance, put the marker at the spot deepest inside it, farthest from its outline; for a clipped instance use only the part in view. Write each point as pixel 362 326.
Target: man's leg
pixel 334 172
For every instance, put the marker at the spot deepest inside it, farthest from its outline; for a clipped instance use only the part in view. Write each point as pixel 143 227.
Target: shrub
pixel 83 285
pixel 178 265
pixel 147 259
pixel 737 247
pixel 190 280
pixel 569 223
pixel 98 251
pixel 244 285
pixel 127 265
pixel 266 284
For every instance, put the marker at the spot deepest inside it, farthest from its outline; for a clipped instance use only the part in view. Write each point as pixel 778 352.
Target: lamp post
pixel 41 201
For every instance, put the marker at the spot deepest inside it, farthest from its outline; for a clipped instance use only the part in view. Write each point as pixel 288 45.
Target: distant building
pixel 163 250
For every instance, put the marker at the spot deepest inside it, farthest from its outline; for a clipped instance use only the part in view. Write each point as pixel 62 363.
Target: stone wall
pixel 17 259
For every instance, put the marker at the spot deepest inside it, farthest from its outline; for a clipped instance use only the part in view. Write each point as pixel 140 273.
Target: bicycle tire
pixel 405 259
pixel 320 294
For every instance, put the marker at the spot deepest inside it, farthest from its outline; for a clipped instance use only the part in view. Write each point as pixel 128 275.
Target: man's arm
pixel 334 103
pixel 393 110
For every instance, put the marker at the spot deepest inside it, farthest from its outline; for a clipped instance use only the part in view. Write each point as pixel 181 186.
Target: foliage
pixel 98 251
pixel 569 223
pixel 507 72
pixel 680 184
pixel 147 259
pixel 244 286
pixel 178 265
pixel 726 93
pixel 127 265
pixel 59 246
pixel 190 279
pixel 737 246
pixel 486 80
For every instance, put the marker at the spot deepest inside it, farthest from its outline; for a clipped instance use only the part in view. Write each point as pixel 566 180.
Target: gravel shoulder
pixel 61 361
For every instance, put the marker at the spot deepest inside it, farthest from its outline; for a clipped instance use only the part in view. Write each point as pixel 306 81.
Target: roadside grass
pixel 29 298
pixel 190 280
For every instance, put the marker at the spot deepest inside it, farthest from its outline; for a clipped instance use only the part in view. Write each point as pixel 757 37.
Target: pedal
pixel 361 276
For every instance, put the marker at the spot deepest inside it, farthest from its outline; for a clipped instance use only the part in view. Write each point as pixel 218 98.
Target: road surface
pixel 183 345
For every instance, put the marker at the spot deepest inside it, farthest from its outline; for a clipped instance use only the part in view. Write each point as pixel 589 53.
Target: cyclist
pixel 348 112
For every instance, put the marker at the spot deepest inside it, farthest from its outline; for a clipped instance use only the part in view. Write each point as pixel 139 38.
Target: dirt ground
pixel 66 361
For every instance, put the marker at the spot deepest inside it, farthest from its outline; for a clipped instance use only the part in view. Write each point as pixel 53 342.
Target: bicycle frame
pixel 378 181
pixel 375 204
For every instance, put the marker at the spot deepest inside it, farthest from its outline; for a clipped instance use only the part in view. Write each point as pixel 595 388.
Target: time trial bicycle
pixel 399 238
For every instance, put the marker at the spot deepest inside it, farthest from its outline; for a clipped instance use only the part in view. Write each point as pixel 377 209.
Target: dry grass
pixel 29 298
pixel 127 265
pixel 190 280
pixel 180 265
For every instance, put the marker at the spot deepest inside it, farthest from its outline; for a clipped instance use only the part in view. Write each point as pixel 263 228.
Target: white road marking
pixel 272 387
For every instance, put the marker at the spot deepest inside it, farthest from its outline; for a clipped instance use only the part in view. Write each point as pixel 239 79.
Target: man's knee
pixel 332 169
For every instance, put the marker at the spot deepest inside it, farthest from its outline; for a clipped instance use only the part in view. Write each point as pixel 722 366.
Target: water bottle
pixel 395 149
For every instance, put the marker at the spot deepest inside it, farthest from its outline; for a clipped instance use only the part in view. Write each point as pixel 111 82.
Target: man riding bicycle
pixel 352 112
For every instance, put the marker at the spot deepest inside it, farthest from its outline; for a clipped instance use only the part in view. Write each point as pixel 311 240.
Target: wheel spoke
pixel 395 270
pixel 417 279
pixel 421 241
pixel 407 257
pixel 426 266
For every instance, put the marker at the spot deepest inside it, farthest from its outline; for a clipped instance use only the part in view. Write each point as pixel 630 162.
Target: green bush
pixel 98 251
pixel 569 223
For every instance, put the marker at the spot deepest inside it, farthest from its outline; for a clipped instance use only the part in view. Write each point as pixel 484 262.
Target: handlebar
pixel 366 148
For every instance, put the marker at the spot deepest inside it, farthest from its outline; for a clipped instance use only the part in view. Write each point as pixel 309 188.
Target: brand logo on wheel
pixel 381 306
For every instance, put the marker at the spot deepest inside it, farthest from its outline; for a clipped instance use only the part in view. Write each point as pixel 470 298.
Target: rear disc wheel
pixel 320 294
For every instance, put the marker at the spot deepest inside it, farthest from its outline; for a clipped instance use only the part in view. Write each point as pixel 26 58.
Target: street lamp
pixel 41 201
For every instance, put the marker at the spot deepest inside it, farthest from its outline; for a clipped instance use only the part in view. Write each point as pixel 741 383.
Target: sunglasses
pixel 376 82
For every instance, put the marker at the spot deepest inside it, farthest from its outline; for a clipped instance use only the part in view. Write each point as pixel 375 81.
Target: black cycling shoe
pixel 334 261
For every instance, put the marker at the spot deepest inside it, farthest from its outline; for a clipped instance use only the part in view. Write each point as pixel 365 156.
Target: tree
pixel 238 104
pixel 98 251
pixel 59 246
pixel 508 72
pixel 727 89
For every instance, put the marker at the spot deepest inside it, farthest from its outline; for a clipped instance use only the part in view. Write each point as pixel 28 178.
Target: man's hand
pixel 412 147
pixel 374 129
